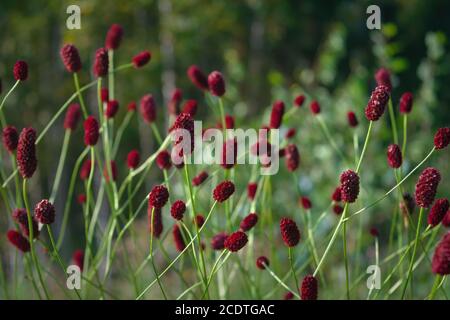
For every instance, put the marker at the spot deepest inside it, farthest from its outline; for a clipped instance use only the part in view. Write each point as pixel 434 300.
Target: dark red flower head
pixel 406 102
pixel 236 241
pixel 44 211
pixel 426 187
pixel 91 131
pixel 289 232
pixel 337 209
pixel 104 94
pixel 111 109
pixel 163 160
pixel 26 153
pixel 441 259
pixel 81 198
pixel 72 117
pixel 71 58
pixel 292 157
pixel 306 203
pixel 352 120
pixel 377 103
pixel 262 262
pixel 199 179
pixel 277 114
pixel 175 101
pixel 349 186
pixel 299 100
pixel 133 159
pixel 249 222
pixel 85 169
pixel 437 212
pixel 18 240
pixel 290 133
pixel 114 37
pixel 251 190
pixel 20 70
pixel 158 196
pixel 10 138
pixel 178 238
pixel 177 210
pixel 309 288
pixel 383 77
pixel 223 191
pixel 446 220
pixel 197 77
pixel 78 258
pixel 21 218
pixel 336 196
pixel 148 108
pixel 199 220
pixel 288 296
pixel 442 138
pixel 374 232
pixel 394 156
pixel 216 84
pixel 156 227
pixel 218 241
pixel 229 153
pixel 131 107
pixel 314 107
pixel 190 107
pixel 141 59
pixel 114 173
pixel 101 63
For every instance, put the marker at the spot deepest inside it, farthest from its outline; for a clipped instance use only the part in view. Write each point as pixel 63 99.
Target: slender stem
pixel 156 133
pixel 438 280
pixel 86 210
pixel 153 258
pixel 330 139
pixel 80 96
pixel 222 118
pixel 291 262
pixel 405 134
pixel 3 121
pixel 347 276
pixel 215 268
pixel 281 282
pixel 393 121
pixel 111 74
pixel 62 159
pixel 366 142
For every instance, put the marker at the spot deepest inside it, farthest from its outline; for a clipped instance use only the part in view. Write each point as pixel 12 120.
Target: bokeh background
pixel 267 50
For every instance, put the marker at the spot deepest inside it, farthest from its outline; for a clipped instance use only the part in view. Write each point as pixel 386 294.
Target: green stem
pixel 393 121
pixel 291 262
pixel 62 159
pixel 437 283
pixel 281 282
pixel 2 117
pixel 405 134
pixel 330 138
pixel 366 142
pixel 80 96
pixel 153 258
pixel 111 74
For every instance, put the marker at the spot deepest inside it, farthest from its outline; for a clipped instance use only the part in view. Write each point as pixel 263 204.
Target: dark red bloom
pixel 352 120
pixel 131 107
pixel 309 288
pixel 114 173
pixel 20 70
pixel 20 217
pixel 111 108
pixel 288 296
pixel 190 107
pixel 229 153
pixel 394 156
pixel 104 94
pixel 262 262
pixel 406 102
pixel 148 108
pixel 216 84
pixel 349 186
pixel 426 187
pixel 78 258
pixel 81 198
pixel 10 138
pixel 141 59
pixel 101 63
pixel 223 191
pixel 383 77
pixel 276 115
pixel 290 133
pixel 377 103
pixel 229 122
pixel 437 212
pixel 44 211
pixel 163 160
pixel 91 131
pixel 200 178
pixel 175 101
pixel 442 138
pixel 374 232
pixel 71 58
pixel 441 259
pixel 336 196
pixel 85 169
pixel 315 107
pixel 72 117
pixel 289 232
pixel 218 241
pixel 114 37
pixel 292 157
pixel 446 220
pixel 18 240
pixel 177 210
pixel 306 203
pixel 26 153
pixel 236 241
pixel 199 220
pixel 197 77
pixel 156 227
pixel 249 222
pixel 158 196
pixel 299 100
pixel 133 159
pixel 337 209
pixel 408 204
pixel 251 190
pixel 178 238
pixel 261 148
